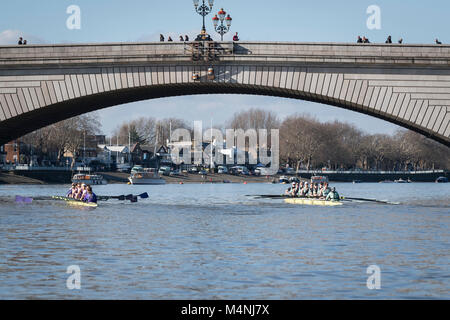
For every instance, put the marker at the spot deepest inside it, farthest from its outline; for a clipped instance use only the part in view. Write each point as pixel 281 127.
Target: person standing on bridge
pixel 400 41
pixel 161 38
pixel 169 39
pixel 360 40
pixel 389 39
pixel 20 41
pixel 235 37
pixel 186 38
pixel 438 42
pixel 365 40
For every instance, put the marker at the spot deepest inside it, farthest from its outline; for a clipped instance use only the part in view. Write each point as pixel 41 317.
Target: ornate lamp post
pixel 203 10
pixel 222 29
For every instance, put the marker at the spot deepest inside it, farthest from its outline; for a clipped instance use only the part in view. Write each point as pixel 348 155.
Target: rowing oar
pixel 269 196
pixel 24 199
pixel 122 197
pixel 371 200
pixel 30 199
pixel 282 196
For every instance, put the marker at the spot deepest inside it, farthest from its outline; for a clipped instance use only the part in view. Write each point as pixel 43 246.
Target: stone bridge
pixel 408 85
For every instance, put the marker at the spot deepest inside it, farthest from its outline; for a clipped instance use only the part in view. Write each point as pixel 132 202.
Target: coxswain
pixel 333 195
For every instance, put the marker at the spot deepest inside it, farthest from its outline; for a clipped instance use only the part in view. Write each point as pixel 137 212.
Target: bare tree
pixel 148 131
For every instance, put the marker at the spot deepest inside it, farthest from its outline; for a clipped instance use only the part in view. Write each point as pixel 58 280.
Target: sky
pixel 44 21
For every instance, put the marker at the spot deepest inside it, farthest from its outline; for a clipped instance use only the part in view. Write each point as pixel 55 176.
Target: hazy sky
pixel 44 21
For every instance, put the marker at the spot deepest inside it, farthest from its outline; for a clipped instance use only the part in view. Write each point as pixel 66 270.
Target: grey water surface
pixel 211 241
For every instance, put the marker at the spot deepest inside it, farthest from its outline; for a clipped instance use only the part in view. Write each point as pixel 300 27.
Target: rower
pixel 316 191
pixel 82 192
pixel 291 190
pixel 325 190
pixel 310 190
pixel 295 189
pixel 305 189
pixel 300 189
pixel 320 191
pixel 78 191
pixel 90 196
pixel 72 191
pixel 333 195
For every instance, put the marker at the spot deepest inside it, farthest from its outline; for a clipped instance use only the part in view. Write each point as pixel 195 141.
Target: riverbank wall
pixel 375 176
pixel 65 176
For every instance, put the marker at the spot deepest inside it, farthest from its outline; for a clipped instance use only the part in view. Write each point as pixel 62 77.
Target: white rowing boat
pixel 312 202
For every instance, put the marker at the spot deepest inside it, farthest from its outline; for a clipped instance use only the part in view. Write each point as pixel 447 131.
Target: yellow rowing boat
pixel 312 202
pixel 73 202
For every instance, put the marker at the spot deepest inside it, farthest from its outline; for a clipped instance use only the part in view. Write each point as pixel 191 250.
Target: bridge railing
pixel 208 50
pixel 230 51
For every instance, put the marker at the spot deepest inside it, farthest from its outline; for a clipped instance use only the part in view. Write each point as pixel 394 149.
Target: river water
pixel 211 241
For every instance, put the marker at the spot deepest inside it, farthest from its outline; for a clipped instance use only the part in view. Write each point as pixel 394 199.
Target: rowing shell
pixel 73 202
pixel 313 202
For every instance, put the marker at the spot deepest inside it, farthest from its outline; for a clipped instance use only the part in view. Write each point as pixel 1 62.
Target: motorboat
pixel 283 180
pixel 147 176
pixel 91 179
pixel 319 179
pixel 402 181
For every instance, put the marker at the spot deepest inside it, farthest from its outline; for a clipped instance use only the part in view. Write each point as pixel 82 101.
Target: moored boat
pixel 146 176
pixel 442 180
pixel 312 202
pixel 319 179
pixel 91 179
pixel 402 181
pixel 283 180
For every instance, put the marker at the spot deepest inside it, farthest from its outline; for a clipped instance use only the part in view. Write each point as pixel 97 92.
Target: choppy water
pixel 213 242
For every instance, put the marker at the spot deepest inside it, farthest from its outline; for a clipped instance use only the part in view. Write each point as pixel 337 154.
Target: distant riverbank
pixel 32 177
pixel 64 177
pixel 118 177
pixel 10 178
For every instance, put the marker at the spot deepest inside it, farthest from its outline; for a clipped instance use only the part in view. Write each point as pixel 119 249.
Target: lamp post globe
pixel 228 20
pixel 215 21
pixel 221 14
pixel 222 28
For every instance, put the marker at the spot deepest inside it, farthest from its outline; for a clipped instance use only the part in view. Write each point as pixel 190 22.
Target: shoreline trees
pixel 305 142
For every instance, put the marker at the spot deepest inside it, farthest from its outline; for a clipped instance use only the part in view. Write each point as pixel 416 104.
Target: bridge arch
pixel 405 85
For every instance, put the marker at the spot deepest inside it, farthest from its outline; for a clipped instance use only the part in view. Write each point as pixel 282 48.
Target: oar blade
pixel 20 199
pixel 144 195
